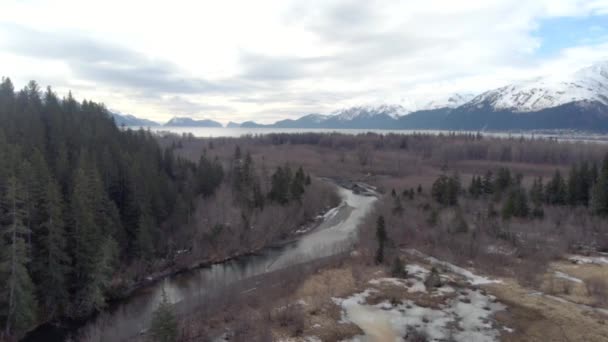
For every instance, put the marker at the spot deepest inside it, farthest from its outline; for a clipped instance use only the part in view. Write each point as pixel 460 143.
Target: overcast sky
pixel 267 60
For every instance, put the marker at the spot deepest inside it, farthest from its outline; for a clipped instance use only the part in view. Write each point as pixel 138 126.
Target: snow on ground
pixel 465 318
pixel 306 339
pixel 472 278
pixel 563 275
pixel 332 212
pixel 416 275
pixel 579 259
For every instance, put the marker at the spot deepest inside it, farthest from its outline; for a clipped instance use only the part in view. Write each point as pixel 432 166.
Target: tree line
pixel 81 200
pixel 586 185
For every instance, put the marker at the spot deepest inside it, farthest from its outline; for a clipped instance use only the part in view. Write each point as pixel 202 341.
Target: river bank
pixel 126 318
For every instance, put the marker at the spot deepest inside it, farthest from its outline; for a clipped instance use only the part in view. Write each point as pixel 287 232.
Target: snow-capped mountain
pixel 589 84
pixel 360 112
pixel 578 100
pixel 189 122
pixel 129 120
pixel 453 101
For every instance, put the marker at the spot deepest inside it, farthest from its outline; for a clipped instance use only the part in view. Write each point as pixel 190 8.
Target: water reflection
pixel 337 232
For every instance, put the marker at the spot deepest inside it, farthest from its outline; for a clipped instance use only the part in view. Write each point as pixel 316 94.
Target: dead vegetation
pixel 523 252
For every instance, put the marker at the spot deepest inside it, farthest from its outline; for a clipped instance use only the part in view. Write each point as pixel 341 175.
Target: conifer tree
pixel 599 199
pixel 17 298
pixel 163 327
pixel 297 184
pixel 488 183
pixel 555 191
pixel 381 239
pixel 51 262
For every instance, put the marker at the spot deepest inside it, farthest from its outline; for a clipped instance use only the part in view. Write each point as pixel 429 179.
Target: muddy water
pixel 131 316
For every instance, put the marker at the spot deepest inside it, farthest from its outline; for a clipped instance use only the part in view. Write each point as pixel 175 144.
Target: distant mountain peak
pixel 178 121
pixel 452 101
pixel 129 120
pixel 587 84
pixel 370 111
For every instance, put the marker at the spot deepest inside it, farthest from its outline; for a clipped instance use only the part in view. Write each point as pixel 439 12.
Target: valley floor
pixel 358 302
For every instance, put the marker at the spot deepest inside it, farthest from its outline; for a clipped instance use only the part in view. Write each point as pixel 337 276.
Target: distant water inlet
pixel 214 132
pixel 128 318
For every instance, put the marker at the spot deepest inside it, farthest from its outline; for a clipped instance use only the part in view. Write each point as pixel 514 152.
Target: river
pixel 127 318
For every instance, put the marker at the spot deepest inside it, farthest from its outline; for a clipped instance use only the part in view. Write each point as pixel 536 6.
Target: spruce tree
pixel 488 183
pixel 555 191
pixel 381 239
pixel 17 298
pixel 297 184
pixel 51 261
pixel 163 327
pixel 599 198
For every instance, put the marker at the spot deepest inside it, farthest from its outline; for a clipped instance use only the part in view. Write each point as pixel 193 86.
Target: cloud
pixel 108 63
pixel 247 60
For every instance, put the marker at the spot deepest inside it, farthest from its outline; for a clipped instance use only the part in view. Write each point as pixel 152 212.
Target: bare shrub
pixel 597 287
pixel 292 317
pixel 415 336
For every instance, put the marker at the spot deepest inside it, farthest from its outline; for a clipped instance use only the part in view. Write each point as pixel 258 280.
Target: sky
pixel 267 60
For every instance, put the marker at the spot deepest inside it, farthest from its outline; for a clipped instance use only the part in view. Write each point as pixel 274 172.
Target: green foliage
pixel 516 203
pixel 297 185
pixel 503 180
pixel 209 175
pixel 555 191
pixel 285 186
pixel 163 327
pixel 445 190
pixel 280 185
pixel 90 196
pixel 599 199
pixel 579 185
pixel 17 297
pixel 476 187
pixel 488 183
pixel 381 238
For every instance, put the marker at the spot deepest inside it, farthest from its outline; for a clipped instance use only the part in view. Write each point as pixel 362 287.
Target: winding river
pixel 126 319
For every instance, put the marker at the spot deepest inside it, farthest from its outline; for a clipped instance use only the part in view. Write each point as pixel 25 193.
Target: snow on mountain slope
pixel 455 100
pixel 587 84
pixel 316 118
pixel 361 112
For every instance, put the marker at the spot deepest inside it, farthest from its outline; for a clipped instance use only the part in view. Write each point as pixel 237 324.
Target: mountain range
pixel 578 100
pixel 131 121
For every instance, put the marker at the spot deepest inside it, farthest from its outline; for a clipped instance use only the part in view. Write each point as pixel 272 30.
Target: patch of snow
pixel 312 339
pixel 416 275
pixel 579 259
pixel 417 271
pixel 493 249
pixel 348 114
pixel 332 212
pixel 471 312
pixel 563 275
pixel 472 278
pixel 453 101
pixel 587 84
pixel 507 329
